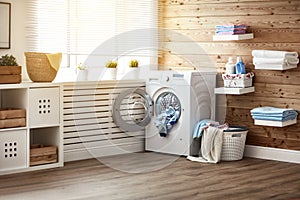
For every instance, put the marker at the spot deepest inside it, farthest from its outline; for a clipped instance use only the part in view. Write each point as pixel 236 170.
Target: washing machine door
pixel 167 112
pixel 132 110
pixel 165 100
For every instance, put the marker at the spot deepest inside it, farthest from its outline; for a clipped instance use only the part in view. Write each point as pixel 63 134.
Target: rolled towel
pixel 273 54
pixel 287 60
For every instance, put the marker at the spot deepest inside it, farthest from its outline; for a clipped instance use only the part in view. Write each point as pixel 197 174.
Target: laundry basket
pixel 39 68
pixel 234 143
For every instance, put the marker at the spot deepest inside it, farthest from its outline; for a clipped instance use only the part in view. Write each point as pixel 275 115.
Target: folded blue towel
pixel 274 118
pixel 271 111
pixel 231 26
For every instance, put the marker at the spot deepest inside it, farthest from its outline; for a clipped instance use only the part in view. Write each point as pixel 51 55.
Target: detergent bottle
pixel 240 66
pixel 230 66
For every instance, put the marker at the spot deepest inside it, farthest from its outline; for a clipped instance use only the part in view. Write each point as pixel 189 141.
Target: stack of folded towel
pixel 267 59
pixel 273 114
pixel 231 29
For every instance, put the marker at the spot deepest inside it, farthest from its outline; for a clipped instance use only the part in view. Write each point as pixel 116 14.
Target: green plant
pixel 111 64
pixel 81 66
pixel 8 60
pixel 134 63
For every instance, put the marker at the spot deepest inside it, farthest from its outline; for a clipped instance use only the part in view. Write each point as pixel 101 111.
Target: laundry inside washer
pixel 168 111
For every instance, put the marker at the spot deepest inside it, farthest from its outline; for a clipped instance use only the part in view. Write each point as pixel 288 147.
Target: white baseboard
pixel 268 153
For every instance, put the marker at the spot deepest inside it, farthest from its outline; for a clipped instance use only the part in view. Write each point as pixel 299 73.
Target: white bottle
pixel 230 66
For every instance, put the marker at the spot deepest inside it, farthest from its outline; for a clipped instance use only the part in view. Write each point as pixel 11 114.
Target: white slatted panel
pixel 88 123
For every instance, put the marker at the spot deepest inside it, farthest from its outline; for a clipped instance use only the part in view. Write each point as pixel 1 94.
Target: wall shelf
pixel 275 68
pixel 246 36
pixel 237 91
pixel 275 123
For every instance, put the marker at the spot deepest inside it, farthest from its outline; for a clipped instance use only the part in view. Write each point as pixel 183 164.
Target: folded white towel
pixel 288 61
pixel 273 54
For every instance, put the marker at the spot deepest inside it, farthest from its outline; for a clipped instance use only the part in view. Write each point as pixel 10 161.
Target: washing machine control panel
pixel 173 78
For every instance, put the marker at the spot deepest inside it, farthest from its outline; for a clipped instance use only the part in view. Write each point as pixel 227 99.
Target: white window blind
pixel 77 27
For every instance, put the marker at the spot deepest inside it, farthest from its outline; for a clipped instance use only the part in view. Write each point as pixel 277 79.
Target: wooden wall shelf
pixel 246 36
pixel 275 123
pixel 276 68
pixel 237 91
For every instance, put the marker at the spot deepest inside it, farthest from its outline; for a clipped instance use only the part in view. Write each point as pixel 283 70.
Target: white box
pixel 13 151
pixel 43 107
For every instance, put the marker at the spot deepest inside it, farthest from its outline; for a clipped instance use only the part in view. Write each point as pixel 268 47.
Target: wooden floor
pixel 180 179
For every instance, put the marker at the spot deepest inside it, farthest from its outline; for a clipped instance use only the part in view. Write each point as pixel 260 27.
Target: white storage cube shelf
pixel 13 151
pixel 44 107
pixel 42 102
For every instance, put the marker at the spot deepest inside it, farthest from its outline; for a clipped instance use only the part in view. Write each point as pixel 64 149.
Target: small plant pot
pixel 82 75
pixel 132 73
pixel 110 74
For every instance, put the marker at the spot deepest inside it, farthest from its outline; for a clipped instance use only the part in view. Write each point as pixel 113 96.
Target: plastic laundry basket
pixel 234 143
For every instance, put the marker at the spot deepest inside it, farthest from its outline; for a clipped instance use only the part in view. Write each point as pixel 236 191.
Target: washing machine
pixel 172 103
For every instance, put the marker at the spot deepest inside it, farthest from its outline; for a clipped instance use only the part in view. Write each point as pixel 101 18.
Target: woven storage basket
pixel 234 143
pixel 39 68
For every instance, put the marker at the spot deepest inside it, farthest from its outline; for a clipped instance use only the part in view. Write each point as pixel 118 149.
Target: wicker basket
pixel 234 143
pixel 39 68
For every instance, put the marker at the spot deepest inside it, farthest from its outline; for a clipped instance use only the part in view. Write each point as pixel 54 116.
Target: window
pixel 78 27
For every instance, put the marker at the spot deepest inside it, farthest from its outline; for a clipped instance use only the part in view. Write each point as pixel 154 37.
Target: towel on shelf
pixel 274 114
pixel 273 54
pixel 211 146
pixel 230 32
pixel 269 110
pixel 279 61
pixel 275 118
pixel 231 26
pixel 230 29
pixel 166 120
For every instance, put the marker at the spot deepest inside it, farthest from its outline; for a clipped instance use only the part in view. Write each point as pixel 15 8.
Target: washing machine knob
pixel 167 78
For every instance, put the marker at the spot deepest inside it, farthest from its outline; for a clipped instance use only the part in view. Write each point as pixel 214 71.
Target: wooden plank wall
pixel 276 26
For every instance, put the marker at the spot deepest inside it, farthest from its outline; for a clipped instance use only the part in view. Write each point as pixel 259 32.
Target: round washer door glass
pixel 132 110
pixel 165 101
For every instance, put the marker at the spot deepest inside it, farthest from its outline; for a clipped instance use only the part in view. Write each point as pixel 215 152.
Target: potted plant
pixel 10 71
pixel 111 70
pixel 134 63
pixel 111 64
pixel 133 70
pixel 82 72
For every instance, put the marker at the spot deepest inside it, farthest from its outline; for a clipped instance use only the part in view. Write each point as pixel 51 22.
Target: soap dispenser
pixel 240 66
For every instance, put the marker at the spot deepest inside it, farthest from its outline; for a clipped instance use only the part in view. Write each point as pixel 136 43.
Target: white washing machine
pixel 186 97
